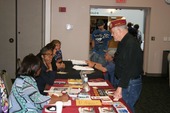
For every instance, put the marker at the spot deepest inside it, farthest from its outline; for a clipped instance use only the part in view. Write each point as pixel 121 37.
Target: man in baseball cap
pixel 100 23
pixel 100 39
pixel 128 64
pixel 111 52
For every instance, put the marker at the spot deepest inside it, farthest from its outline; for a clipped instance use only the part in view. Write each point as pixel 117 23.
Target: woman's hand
pixel 54 98
pixel 64 98
pixel 49 66
pixel 60 65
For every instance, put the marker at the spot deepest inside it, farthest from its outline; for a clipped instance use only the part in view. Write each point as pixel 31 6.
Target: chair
pixel 169 67
pixel 7 81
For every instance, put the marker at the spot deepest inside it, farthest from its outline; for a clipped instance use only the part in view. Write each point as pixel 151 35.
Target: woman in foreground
pixel 25 96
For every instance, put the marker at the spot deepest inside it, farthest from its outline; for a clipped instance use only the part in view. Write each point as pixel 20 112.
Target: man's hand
pixel 90 63
pixel 118 94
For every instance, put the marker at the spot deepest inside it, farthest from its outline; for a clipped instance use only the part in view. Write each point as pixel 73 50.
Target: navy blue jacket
pixel 45 78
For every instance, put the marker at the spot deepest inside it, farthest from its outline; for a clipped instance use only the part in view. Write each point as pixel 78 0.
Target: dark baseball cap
pixel 100 22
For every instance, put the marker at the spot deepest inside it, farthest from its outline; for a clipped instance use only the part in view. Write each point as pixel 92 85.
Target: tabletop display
pixel 99 98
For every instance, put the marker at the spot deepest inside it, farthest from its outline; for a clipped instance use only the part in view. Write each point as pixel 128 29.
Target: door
pixel 29 27
pixel 8 36
pixel 21 24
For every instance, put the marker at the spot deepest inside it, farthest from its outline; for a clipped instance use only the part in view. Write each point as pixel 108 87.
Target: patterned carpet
pixel 155 96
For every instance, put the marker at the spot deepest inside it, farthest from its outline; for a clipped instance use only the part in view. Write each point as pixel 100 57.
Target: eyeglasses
pixel 48 54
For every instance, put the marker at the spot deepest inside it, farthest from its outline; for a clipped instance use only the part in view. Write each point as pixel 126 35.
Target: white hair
pixel 121 27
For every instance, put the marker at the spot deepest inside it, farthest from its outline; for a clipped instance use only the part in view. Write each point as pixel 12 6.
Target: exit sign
pixel 120 1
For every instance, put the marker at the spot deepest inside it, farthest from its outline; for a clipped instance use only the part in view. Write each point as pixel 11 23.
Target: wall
pixel 75 41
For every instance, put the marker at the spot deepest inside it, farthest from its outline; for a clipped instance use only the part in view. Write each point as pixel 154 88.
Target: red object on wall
pixel 62 9
pixel 120 1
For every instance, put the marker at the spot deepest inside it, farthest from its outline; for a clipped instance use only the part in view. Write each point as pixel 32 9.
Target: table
pixel 74 109
pixel 75 74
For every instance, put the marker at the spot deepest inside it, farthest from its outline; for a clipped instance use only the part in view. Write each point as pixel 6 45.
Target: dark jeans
pixel 95 57
pixel 131 94
pixel 110 78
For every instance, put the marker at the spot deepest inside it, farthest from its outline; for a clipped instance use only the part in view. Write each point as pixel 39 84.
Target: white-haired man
pixel 128 64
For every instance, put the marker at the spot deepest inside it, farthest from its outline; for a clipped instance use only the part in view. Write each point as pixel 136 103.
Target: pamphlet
pixel 75 81
pixel 99 92
pixel 86 110
pixel 103 92
pixel 106 110
pixel 57 90
pixel 120 107
pixel 78 62
pixel 88 103
pixel 84 96
pixel 74 92
pixel 98 84
pixel 82 67
pixel 106 100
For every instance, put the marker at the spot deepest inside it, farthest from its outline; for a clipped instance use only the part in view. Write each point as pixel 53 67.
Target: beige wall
pixel 75 42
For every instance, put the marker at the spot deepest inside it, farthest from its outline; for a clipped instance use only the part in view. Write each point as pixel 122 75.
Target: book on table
pixel 120 107
pixel 103 92
pixel 75 81
pixel 88 103
pixel 86 110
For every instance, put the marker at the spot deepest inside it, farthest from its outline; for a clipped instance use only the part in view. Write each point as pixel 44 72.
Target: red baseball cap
pixel 118 22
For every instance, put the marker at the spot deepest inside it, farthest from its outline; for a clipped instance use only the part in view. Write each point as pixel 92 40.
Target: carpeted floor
pixel 155 96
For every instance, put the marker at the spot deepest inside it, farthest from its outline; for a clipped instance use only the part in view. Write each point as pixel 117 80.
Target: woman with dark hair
pixel 30 66
pixel 47 74
pixel 25 96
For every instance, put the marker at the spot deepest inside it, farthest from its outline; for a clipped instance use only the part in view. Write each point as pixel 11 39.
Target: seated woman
pixel 25 96
pixel 108 68
pixel 57 54
pixel 47 74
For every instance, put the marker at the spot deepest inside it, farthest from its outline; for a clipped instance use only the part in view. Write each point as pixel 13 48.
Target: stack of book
pixel 75 81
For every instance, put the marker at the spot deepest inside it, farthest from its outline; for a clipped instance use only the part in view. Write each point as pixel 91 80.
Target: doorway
pixel 135 15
